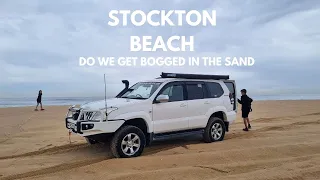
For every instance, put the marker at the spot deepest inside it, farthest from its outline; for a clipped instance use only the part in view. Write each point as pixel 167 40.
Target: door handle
pixel 206 102
pixel 183 105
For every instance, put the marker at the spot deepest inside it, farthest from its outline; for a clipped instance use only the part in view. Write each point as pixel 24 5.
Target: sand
pixel 283 144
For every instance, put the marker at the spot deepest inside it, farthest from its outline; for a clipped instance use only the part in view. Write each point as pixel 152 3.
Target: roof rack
pixel 194 76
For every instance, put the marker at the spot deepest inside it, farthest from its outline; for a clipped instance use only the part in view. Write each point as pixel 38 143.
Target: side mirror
pixel 162 98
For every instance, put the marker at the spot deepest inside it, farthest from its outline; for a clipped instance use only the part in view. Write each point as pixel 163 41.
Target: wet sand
pixel 283 144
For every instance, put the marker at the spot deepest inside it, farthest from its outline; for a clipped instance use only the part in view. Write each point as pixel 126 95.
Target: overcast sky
pixel 42 40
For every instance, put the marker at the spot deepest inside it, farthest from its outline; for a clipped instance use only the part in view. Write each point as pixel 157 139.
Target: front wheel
pixel 214 131
pixel 128 142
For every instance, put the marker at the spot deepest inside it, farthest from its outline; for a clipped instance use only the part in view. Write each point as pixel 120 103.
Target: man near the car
pixel 246 108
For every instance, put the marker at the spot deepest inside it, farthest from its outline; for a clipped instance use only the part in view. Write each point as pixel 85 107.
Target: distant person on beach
pixel 39 101
pixel 246 108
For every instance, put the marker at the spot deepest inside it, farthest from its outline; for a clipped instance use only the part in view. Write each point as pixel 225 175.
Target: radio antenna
pixel 105 92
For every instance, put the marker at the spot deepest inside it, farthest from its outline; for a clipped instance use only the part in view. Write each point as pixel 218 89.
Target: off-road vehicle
pixel 174 104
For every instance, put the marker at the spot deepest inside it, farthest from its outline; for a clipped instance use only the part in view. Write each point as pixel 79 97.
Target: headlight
pixel 109 110
pixel 98 116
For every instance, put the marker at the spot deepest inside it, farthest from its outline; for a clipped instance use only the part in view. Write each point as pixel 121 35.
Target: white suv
pixel 171 105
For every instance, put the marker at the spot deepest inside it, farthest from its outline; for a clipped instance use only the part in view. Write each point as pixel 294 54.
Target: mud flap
pixel 227 125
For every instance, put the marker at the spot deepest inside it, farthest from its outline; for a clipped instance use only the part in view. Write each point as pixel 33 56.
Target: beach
pixel 283 143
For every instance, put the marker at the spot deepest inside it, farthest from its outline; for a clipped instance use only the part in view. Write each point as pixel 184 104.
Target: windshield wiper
pixel 139 98
pixel 135 98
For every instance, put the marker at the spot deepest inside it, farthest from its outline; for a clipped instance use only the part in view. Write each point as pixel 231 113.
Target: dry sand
pixel 283 144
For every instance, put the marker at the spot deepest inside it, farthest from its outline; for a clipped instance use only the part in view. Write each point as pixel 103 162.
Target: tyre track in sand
pixel 163 146
pixel 53 150
pixel 53 169
pixel 272 119
pixel 71 147
pixel 229 170
pixel 293 123
pixel 149 151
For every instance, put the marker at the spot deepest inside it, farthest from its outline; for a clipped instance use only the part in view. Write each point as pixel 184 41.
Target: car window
pixel 167 91
pixel 195 91
pixel 144 91
pixel 141 90
pixel 230 87
pixel 175 92
pixel 215 89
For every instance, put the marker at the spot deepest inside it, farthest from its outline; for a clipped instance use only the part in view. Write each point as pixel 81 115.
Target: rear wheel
pixel 128 142
pixel 214 131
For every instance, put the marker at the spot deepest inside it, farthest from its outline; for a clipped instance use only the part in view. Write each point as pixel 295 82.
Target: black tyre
pixel 129 141
pixel 214 131
pixel 91 141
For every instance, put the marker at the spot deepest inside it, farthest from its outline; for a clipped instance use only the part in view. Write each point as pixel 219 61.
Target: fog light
pixel 87 126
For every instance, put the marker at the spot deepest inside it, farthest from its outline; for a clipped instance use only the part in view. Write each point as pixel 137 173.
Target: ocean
pixel 55 101
pixel 46 101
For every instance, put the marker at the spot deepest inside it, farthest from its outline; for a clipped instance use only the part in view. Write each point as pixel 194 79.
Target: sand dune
pixel 283 144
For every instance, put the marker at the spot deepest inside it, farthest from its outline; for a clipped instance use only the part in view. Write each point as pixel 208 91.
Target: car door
pixel 232 104
pixel 171 116
pixel 231 100
pixel 198 104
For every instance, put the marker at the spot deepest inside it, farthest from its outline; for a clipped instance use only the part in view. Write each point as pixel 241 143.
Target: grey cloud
pixel 284 8
pixel 32 58
pixel 49 36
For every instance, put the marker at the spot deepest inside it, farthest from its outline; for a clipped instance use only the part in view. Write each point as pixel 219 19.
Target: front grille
pixel 85 116
pixel 89 115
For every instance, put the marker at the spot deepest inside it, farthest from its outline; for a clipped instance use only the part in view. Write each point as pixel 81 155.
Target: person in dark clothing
pixel 246 108
pixel 39 101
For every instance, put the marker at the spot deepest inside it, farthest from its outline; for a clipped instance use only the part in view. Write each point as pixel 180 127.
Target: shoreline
pixel 67 105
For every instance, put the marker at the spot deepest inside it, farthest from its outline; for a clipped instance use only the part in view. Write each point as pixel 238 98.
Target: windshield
pixel 141 90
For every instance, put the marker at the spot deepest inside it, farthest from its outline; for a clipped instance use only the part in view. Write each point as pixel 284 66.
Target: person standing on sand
pixel 246 108
pixel 39 101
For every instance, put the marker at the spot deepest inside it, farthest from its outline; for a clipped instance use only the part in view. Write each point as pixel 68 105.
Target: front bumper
pixel 85 127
